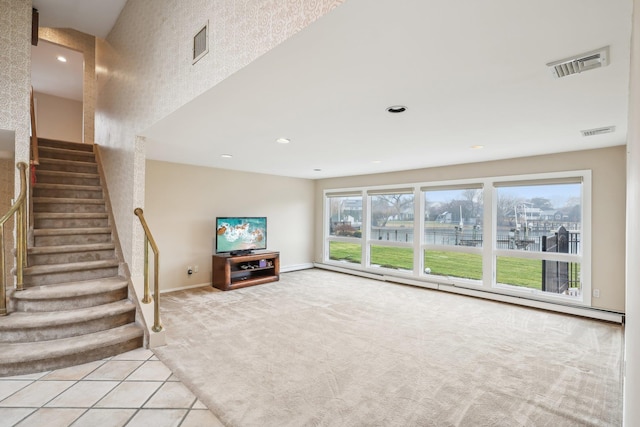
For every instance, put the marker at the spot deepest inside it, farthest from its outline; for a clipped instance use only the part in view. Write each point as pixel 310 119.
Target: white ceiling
pixel 50 76
pixel 95 17
pixel 470 72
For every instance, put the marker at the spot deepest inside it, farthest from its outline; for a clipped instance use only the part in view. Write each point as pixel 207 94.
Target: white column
pixel 632 328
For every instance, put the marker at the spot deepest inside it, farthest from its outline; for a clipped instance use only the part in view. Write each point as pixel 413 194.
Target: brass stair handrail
pixel 148 241
pixel 19 209
pixel 35 154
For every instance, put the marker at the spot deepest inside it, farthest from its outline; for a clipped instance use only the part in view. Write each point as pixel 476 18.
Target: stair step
pixel 68 166
pixel 72 295
pixel 46 250
pixel 70 220
pixel 21 358
pixel 67 191
pixel 43 326
pixel 67 187
pixel 38 270
pixel 54 143
pixel 67 200
pixel 40 255
pixel 67 204
pixel 71 236
pixel 66 154
pixel 70 215
pixel 49 274
pixel 63 177
pixel 70 231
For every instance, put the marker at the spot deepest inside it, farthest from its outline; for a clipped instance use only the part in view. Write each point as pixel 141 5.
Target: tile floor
pixel 132 389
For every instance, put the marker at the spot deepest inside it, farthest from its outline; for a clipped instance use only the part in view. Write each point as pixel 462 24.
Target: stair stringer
pixel 144 312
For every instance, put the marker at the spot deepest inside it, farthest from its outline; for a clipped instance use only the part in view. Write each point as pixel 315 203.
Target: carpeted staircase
pixel 75 306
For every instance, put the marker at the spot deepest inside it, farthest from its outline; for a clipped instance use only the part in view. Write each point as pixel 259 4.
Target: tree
pixel 474 202
pixel 541 203
pixel 383 207
pixel 506 209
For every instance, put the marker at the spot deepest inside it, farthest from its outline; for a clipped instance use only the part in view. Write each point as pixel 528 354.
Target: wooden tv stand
pixel 233 272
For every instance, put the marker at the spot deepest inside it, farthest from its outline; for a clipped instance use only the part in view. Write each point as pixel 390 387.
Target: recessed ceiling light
pixel 477 147
pixel 395 109
pixel 376 161
pixel 62 58
pixel 226 156
pixel 283 140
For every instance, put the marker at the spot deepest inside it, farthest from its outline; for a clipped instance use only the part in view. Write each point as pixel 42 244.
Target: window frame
pixel 489 252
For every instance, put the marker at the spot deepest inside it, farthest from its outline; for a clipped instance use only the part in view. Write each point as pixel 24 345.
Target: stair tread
pixel 78 146
pixel 40 250
pixel 36 270
pixel 66 162
pixel 67 173
pixel 40 319
pixel 70 231
pixel 72 289
pixel 67 200
pixel 42 350
pixel 70 215
pixel 49 186
pixel 64 150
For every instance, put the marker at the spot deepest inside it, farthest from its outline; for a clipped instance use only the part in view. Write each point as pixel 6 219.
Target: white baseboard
pixel 296 267
pixel 182 288
pixel 593 313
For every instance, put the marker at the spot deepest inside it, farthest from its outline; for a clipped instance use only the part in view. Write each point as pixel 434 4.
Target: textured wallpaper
pixel 15 72
pixel 144 72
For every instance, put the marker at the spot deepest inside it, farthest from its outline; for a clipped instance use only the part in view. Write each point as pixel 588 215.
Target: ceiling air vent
pixel 598 131
pixel 201 43
pixel 577 64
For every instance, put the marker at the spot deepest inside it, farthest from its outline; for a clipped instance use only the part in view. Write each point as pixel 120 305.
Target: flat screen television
pixel 240 235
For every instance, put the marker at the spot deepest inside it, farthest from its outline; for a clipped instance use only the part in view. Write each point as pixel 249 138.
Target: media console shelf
pixel 233 272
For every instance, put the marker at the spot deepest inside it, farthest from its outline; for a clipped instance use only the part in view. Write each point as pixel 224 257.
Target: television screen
pixel 240 234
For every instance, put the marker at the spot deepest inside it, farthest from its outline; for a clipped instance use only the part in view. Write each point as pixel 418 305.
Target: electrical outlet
pixel 195 269
pixel 596 293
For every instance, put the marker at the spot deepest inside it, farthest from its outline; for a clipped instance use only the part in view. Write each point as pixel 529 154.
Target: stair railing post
pixel 147 295
pixel 157 327
pixel 148 241
pixel 18 209
pixel 3 282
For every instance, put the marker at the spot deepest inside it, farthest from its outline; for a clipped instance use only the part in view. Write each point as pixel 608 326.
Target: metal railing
pixel 148 241
pixel 19 209
pixel 35 155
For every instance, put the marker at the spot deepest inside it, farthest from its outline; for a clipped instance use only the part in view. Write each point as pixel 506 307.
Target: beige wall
pixel 145 71
pixel 608 200
pixel 182 202
pixel 632 326
pixel 58 118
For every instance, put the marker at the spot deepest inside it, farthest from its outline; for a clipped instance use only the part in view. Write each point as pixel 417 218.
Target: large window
pixel 523 235
pixel 345 228
pixel 453 221
pixel 391 230
pixel 544 219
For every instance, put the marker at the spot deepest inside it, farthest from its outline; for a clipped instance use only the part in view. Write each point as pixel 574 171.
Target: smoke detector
pixel 598 131
pixel 577 64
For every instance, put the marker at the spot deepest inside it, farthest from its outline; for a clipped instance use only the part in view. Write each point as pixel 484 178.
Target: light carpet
pixel 320 348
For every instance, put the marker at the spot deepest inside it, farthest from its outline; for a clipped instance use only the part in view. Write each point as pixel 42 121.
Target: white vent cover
pixel 201 43
pixel 598 131
pixel 577 64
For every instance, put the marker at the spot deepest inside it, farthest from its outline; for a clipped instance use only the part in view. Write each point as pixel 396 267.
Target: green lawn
pixel 512 271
